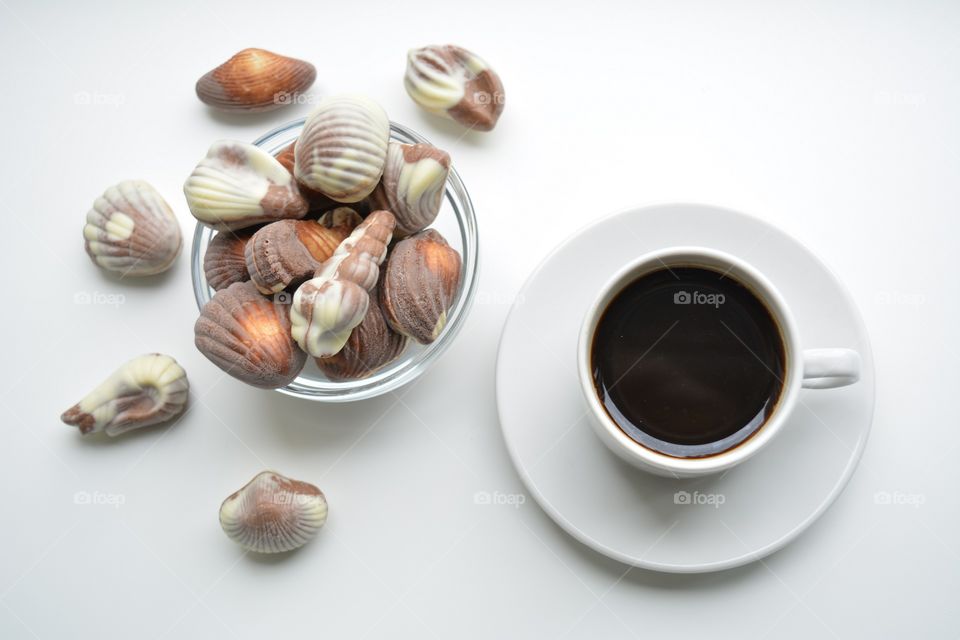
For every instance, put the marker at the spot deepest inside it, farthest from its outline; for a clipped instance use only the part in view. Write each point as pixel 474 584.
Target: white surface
pixel 810 448
pixel 835 121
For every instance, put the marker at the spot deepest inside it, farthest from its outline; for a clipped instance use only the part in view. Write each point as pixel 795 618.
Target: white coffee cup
pixel 804 368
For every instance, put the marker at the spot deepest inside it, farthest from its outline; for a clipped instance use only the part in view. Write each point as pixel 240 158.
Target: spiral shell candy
pixel 455 83
pixel 248 336
pixel 238 185
pixel 342 148
pixel 147 390
pixel 358 258
pixel 273 513
pixel 132 230
pixel 327 307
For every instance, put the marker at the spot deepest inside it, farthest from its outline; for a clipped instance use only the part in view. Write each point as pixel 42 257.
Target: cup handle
pixel 830 368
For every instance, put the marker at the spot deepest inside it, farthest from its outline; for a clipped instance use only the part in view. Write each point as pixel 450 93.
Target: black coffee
pixel 687 361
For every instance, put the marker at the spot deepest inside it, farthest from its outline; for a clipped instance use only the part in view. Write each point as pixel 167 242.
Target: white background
pixel 836 121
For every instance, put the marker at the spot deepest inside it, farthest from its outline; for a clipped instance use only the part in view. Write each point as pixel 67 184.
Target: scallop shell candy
pixel 289 251
pixel 239 185
pixel 419 285
pixel 342 147
pixel 371 346
pixel 273 513
pixel 455 83
pixel 255 80
pixel 132 230
pixel 248 336
pixel 224 262
pixel 147 390
pixel 317 200
pixel 412 186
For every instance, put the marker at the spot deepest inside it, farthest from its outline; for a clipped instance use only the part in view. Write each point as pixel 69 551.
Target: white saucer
pixel 630 515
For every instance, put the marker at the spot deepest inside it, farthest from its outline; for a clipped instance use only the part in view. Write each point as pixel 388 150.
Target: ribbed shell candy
pixel 342 147
pixel 419 285
pixel 255 80
pixel 289 251
pixel 147 390
pixel 412 186
pixel 248 336
pixel 239 185
pixel 455 83
pixel 273 513
pixel 132 230
pixel 224 262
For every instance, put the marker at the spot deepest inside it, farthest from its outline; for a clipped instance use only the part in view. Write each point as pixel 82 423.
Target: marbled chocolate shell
pixel 412 186
pixel 132 230
pixel 455 83
pixel 239 185
pixel 273 513
pixel 147 390
pixel 342 148
pixel 371 346
pixel 248 336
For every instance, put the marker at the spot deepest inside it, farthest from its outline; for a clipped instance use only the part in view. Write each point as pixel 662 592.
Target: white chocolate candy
pixel 342 148
pixel 147 390
pixel 132 230
pixel 238 185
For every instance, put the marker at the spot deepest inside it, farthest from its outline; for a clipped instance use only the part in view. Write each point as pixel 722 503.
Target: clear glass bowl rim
pixel 406 369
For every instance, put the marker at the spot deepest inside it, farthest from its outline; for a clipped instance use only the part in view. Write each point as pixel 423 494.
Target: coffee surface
pixel 688 361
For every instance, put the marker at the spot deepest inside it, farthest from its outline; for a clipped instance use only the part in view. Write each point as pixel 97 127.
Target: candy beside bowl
pixel 337 378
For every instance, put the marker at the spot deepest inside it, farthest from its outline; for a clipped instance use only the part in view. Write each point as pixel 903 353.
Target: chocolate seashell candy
pixel 273 513
pixel 239 185
pixel 455 83
pixel 132 230
pixel 248 336
pixel 255 80
pixel 342 147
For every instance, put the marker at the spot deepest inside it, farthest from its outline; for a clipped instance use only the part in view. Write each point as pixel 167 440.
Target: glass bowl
pixel 458 225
